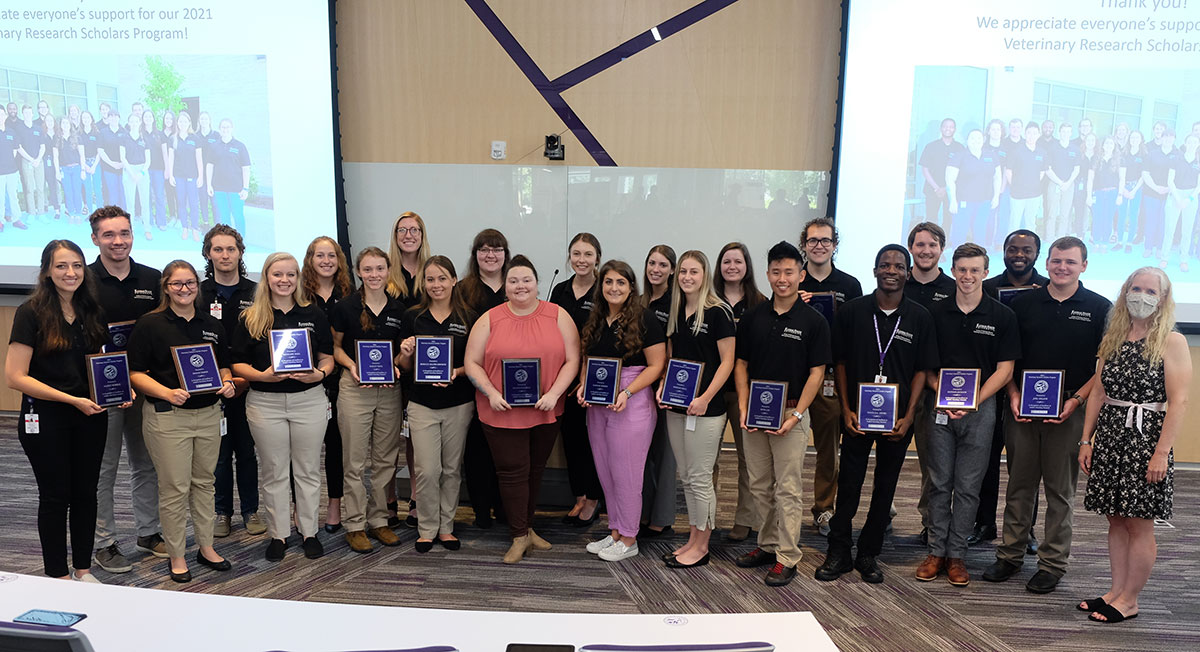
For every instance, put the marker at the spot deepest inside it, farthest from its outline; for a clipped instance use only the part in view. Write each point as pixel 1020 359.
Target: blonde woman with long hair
pixel 409 251
pixel 1132 421
pixel 286 411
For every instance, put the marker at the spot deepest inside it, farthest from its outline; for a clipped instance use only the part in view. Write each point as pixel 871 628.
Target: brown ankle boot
pixel 930 568
pixel 956 572
pixel 520 546
pixel 537 542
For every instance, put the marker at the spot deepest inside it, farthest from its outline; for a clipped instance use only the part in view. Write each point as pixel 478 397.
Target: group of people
pixel 1124 388
pixel 1115 190
pixel 166 170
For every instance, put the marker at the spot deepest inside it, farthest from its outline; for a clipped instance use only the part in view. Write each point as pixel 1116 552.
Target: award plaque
pixel 374 360
pixel 196 365
pixel 681 384
pixel 522 380
pixel 118 336
pixel 601 380
pixel 768 399
pixel 958 389
pixel 877 406
pixel 108 379
pixel 1006 295
pixel 290 350
pixel 433 360
pixel 824 303
pixel 1041 393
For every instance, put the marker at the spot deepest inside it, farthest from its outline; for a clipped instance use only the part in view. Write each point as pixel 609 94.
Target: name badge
pixel 374 360
pixel 108 379
pixel 224 426
pixel 877 407
pixel 681 383
pixel 118 336
pixel 196 366
pixel 958 389
pixel 601 380
pixel 32 424
pixel 767 402
pixel 522 381
pixel 290 350
pixel 216 310
pixel 1041 394
pixel 828 388
pixel 433 359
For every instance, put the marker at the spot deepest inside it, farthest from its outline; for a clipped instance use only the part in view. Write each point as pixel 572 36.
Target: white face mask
pixel 1140 304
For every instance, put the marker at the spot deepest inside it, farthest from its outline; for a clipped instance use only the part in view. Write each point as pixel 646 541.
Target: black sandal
pixel 1092 606
pixel 1111 615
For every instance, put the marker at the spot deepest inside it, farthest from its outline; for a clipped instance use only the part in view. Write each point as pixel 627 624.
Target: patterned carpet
pixel 901 614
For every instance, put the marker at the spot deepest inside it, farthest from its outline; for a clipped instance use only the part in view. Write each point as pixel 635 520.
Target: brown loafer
pixel 956 572
pixel 538 543
pixel 358 541
pixel 520 546
pixel 931 568
pixel 385 536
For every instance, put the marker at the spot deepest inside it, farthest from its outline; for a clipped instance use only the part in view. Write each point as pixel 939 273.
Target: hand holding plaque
pixel 681 383
pixel 291 351
pixel 768 399
pixel 433 360
pixel 196 366
pixel 1041 394
pixel 522 381
pixel 108 379
pixel 374 360
pixel 877 407
pixel 958 389
pixel 601 380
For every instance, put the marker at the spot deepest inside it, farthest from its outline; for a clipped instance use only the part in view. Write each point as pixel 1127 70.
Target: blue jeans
pixel 236 443
pixel 230 209
pixel 72 189
pixel 114 190
pixel 93 192
pixel 187 197
pixel 971 220
pixel 158 199
pixel 997 227
pixel 1127 216
pixel 1102 215
pixel 958 459
pixel 1156 209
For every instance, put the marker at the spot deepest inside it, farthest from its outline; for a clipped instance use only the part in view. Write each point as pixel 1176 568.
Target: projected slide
pixel 1067 118
pixel 218 112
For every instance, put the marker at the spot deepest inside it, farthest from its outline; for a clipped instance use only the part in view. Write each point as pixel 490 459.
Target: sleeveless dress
pixel 1120 455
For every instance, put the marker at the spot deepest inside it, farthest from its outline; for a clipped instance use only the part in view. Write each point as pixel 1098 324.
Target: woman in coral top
pixel 521 438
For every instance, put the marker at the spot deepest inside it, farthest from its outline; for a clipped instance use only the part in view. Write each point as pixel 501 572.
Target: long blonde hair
pixel 1161 323
pixel 260 316
pixel 396 286
pixel 708 296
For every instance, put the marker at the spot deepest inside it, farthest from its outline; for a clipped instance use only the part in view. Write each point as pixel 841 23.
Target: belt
pixel 1135 411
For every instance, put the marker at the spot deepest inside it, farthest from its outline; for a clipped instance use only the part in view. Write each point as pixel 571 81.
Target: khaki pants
pixel 775 464
pixel 1046 453
pixel 1058 218
pixel 746 514
pixel 33 184
pixel 369 419
pixel 826 415
pixel 184 445
pixel 695 453
pixel 288 428
pixel 438 438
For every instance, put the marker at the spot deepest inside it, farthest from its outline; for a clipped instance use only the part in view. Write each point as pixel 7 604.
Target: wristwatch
pixel 627 393
pixel 795 414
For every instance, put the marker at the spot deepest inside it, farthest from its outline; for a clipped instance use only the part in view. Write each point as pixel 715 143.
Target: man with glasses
pixel 819 240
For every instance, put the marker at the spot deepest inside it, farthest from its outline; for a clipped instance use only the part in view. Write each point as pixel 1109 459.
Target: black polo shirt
pixel 110 141
pixel 257 353
pixel 1061 335
pixel 64 370
pixel 346 318
pixel 661 309
pixel 485 298
pixel 927 294
pixel 1134 163
pixel 991 286
pixel 1158 164
pixel 578 308
pixel 227 300
pixel 1063 160
pixel 783 347
pixel 1107 176
pixel 90 142
pixel 718 325
pixel 976 174
pixel 843 286
pixel 1186 172
pixel 32 139
pixel 155 140
pixel 135 148
pixel 934 158
pixel 8 151
pixel 410 282
pixel 608 345
pixel 129 298
pixel 227 159
pixel 1026 166
pixel 183 161
pixel 150 348
pixel 977 340
pixel 68 152
pixel 912 349
pixel 416 323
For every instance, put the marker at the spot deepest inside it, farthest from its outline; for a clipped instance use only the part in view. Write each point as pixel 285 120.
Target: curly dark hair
pixel 630 329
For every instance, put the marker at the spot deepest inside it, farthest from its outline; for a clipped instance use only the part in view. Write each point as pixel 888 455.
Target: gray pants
pixel 658 483
pixel 922 423
pixel 958 459
pixel 126 425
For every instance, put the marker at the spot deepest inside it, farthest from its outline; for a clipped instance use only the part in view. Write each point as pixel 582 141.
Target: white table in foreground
pixel 122 618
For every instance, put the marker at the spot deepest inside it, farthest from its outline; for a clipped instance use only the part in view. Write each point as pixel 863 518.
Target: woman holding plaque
pixel 734 282
pixel 181 418
pixel 326 281
pixel 61 429
pixel 701 330
pixel 575 296
pixel 622 327
pixel 439 414
pixel 1128 433
pixel 287 410
pixel 369 413
pixel 507 345
pixel 658 481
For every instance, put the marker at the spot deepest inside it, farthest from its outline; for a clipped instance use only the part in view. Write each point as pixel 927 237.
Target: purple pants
pixel 620 441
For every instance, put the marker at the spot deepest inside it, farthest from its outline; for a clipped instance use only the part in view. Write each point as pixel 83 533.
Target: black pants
pixel 334 472
pixel 989 492
pixel 65 455
pixel 581 468
pixel 479 472
pixel 240 444
pixel 889 458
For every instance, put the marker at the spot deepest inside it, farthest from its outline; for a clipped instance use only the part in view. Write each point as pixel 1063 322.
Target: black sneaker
pixel 275 550
pixel 868 569
pixel 780 575
pixel 153 545
pixel 754 558
pixel 837 563
pixel 312 548
pixel 1042 581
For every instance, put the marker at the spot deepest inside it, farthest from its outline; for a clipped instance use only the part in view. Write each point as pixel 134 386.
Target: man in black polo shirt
pixel 1060 189
pixel 974 332
pixel 927 285
pixel 227 168
pixel 1021 250
pixel 127 291
pixel 31 152
pixel 1061 327
pixel 878 338
pixel 1025 169
pixel 780 340
pixel 109 154
pixel 1159 160
pixel 225 292
pixel 819 240
pixel 9 174
pixel 933 169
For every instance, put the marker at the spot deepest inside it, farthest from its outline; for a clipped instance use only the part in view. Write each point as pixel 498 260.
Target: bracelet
pixel 231 383
pixel 1085 442
pixel 1077 399
pixel 627 394
pixel 323 374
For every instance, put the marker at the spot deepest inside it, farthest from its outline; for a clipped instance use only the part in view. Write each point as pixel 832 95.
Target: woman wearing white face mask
pixel 1144 370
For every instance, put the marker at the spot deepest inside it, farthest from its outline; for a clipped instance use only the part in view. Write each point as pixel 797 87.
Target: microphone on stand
pixel 552 278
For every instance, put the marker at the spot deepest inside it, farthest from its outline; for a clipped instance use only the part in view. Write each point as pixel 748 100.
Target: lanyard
pixel 878 343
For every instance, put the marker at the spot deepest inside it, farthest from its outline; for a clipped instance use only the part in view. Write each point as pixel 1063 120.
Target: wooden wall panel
pixel 9 399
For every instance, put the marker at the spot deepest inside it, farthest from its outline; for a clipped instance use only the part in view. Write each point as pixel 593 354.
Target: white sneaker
pixel 822 522
pixel 619 551
pixel 86 578
pixel 596 546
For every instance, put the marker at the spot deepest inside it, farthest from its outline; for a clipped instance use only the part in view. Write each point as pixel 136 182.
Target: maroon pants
pixel 520 455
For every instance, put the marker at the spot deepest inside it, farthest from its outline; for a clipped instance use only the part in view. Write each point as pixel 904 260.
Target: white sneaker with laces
pixel 86 578
pixel 822 522
pixel 596 546
pixel 619 551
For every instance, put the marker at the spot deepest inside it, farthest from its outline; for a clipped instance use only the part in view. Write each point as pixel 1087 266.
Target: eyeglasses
pixel 405 230
pixel 823 242
pixel 179 285
pixel 490 251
